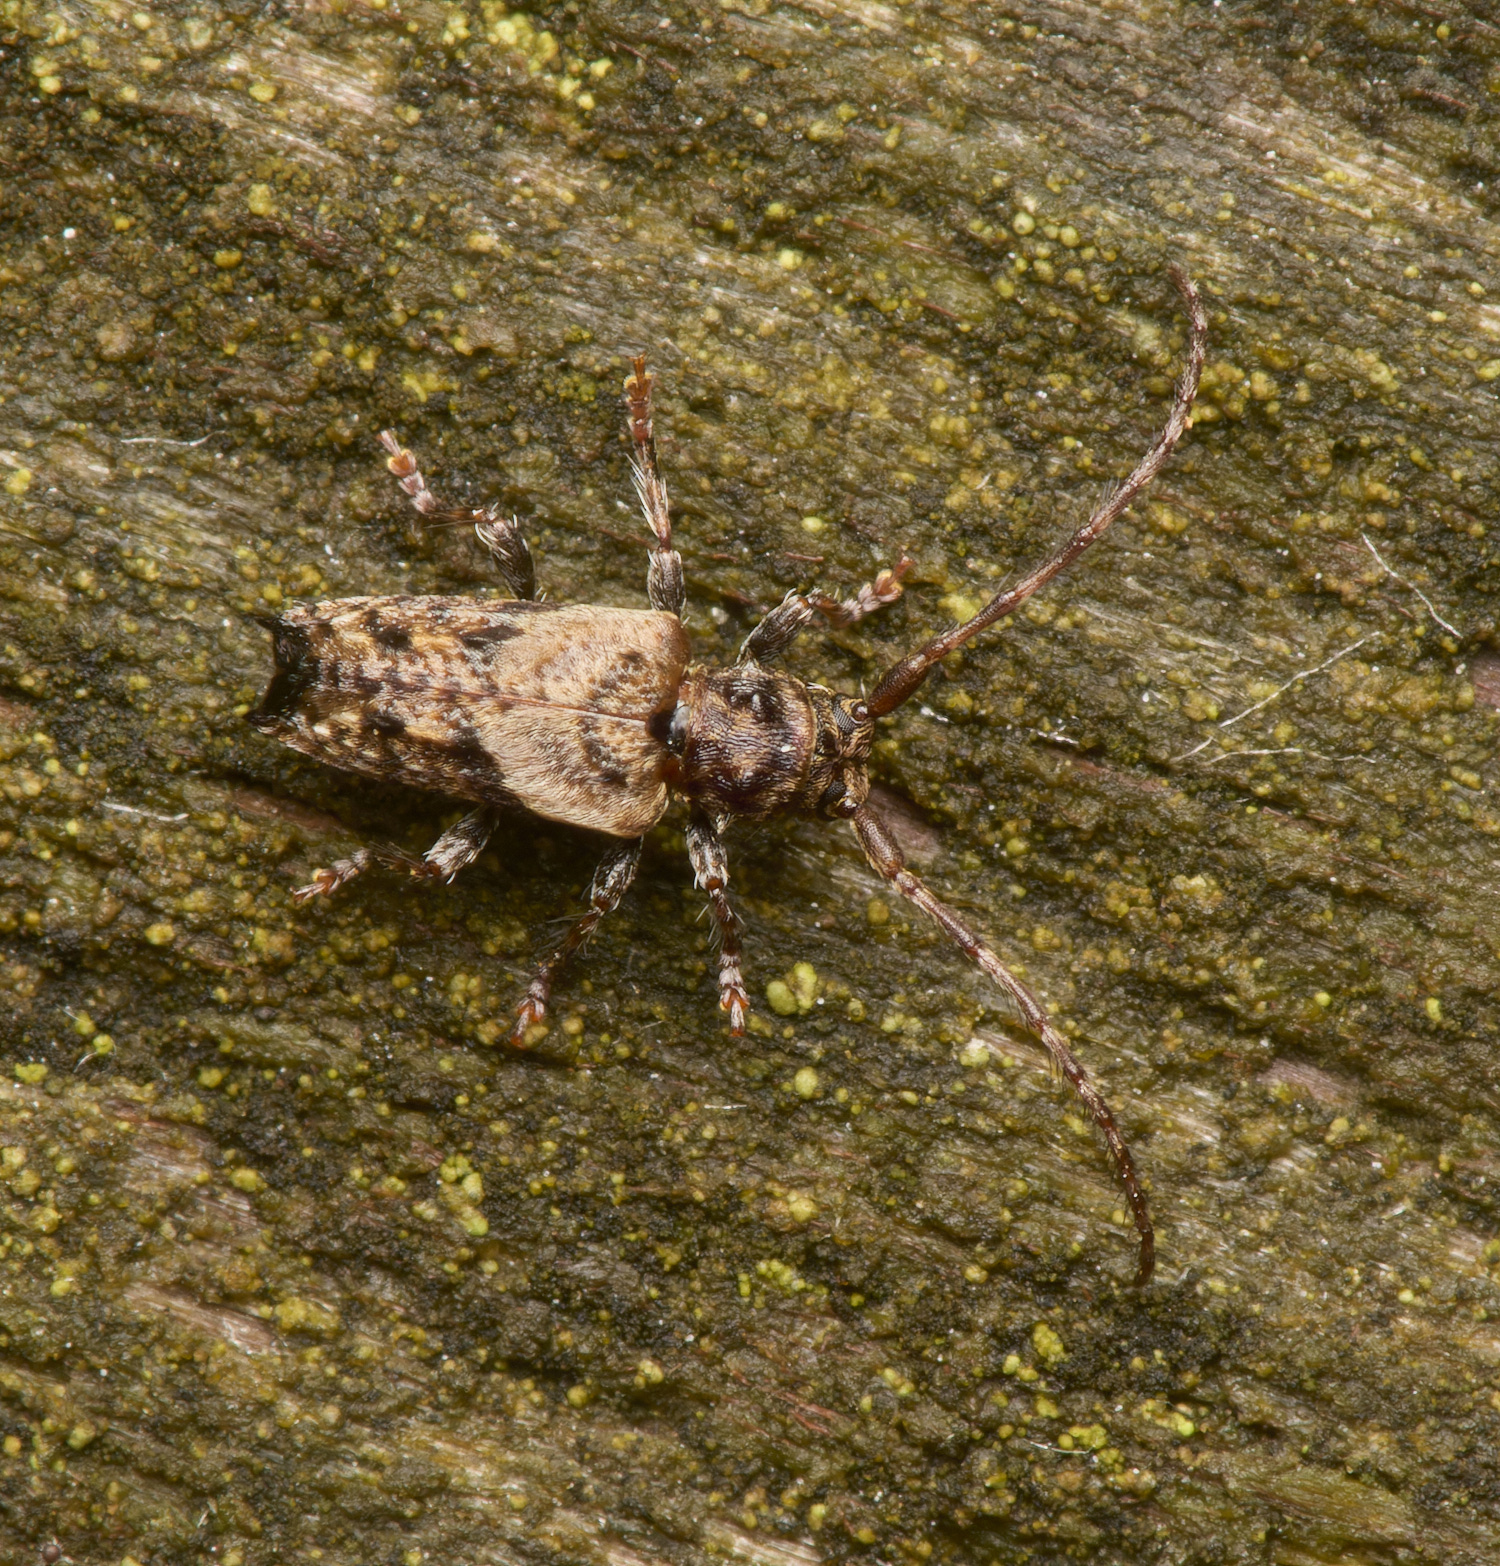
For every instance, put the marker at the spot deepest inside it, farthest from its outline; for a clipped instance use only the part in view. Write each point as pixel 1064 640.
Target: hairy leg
pixel 881 850
pixel 327 881
pixel 664 584
pixel 780 628
pixel 611 882
pixel 711 871
pixel 503 538
pixel 460 845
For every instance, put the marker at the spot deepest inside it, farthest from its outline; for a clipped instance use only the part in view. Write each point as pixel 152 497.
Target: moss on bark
pixel 299 1262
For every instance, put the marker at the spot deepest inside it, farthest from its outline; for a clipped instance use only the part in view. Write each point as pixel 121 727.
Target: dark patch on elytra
pixel 386 724
pixel 625 676
pixel 360 681
pixel 490 636
pixel 296 673
pixel 602 757
pixel 394 638
pixel 464 748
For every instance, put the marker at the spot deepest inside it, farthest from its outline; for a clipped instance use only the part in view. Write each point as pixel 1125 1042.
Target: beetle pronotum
pixel 596 716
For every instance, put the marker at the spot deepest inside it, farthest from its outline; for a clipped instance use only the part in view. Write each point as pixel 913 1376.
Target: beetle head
pixel 838 780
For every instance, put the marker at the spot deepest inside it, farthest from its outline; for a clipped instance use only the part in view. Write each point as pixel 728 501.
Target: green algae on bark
pixel 297 1261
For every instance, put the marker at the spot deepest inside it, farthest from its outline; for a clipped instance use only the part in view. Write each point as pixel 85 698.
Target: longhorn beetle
pixel 596 716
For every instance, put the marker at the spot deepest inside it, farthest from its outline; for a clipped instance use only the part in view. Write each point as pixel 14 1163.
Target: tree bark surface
pixel 298 1260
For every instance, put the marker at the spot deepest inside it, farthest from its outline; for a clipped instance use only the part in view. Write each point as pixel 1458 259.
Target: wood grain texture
pixel 1226 792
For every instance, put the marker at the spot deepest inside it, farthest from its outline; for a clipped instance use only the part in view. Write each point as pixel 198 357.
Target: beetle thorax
pixel 753 741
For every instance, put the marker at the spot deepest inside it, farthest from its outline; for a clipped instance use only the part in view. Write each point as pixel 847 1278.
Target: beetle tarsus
pixel 611 882
pixel 711 873
pixel 501 536
pixel 328 880
pixel 403 467
pixel 530 1012
pixel 781 627
pixel 736 1002
pixel 884 590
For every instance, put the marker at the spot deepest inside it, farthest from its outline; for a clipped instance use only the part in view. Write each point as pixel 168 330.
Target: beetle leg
pixel 711 872
pixel 460 845
pixel 504 539
pixel 664 583
pixel 611 882
pixel 780 628
pixel 881 850
pixel 512 554
pixel 342 871
pixel 327 881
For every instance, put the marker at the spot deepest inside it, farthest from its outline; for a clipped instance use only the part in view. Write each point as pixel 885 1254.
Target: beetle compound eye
pixel 833 796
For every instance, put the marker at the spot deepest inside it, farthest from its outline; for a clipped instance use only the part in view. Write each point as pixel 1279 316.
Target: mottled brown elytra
pixel 596 717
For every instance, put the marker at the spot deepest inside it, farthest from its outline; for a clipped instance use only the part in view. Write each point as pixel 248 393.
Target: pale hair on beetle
pixel 596 717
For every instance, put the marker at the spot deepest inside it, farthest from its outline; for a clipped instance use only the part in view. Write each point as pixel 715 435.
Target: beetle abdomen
pixel 542 705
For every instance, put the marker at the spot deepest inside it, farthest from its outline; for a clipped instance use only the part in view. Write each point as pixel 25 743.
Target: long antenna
pixel 901 681
pixel 886 858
